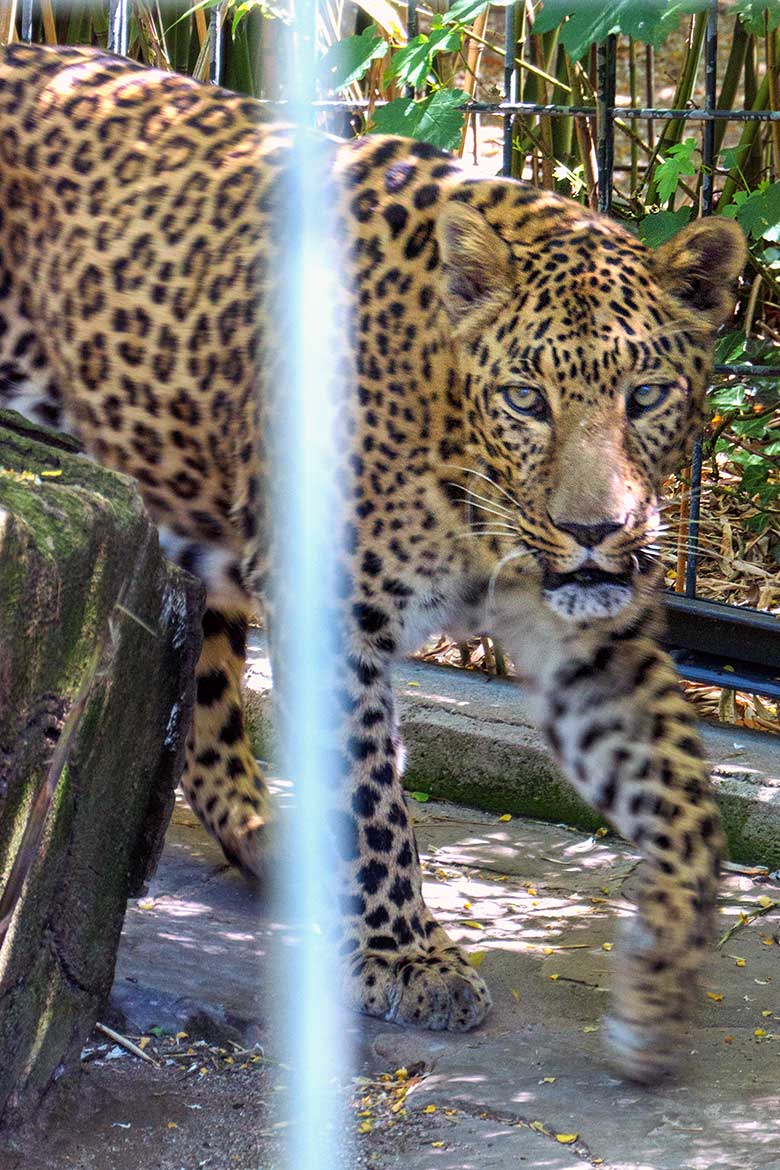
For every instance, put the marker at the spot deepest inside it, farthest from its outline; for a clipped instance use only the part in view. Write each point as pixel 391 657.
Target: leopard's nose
pixel 589 535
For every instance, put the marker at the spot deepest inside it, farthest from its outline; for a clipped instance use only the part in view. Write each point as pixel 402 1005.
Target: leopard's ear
pixel 700 266
pixel 477 267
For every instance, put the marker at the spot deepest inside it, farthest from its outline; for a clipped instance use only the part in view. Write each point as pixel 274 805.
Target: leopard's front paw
pixel 439 991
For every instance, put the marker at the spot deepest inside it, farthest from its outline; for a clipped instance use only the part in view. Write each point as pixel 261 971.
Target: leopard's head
pixel 584 358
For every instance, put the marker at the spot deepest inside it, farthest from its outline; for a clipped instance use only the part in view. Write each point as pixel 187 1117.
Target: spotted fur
pixel 525 372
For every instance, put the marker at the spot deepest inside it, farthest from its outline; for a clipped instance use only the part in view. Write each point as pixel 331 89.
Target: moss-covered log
pixel 74 538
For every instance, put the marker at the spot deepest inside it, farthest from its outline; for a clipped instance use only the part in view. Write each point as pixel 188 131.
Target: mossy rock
pixel 74 538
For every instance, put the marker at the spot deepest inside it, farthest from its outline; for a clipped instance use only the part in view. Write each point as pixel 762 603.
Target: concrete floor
pixel 545 900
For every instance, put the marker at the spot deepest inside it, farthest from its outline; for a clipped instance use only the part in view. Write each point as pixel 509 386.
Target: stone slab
pixel 470 739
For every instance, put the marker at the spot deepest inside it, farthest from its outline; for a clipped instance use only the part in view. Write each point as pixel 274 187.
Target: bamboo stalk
pixel 473 60
pixel 7 21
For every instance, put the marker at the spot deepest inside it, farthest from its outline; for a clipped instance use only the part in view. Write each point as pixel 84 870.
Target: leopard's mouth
pixel 588 593
pixel 586 577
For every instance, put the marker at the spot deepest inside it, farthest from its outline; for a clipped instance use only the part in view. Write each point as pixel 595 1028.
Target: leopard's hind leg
pixel 222 780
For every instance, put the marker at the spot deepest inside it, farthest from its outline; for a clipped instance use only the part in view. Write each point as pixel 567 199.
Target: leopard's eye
pixel 525 400
pixel 643 399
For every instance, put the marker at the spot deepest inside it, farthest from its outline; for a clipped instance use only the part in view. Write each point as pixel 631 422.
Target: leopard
pixel 522 374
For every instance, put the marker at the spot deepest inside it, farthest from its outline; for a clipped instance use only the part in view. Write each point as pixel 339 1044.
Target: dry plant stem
pixel 747 139
pixel 123 1041
pixel 585 142
pixel 49 27
pixel 751 305
pixel 201 26
pixel 746 920
pixel 7 21
pixel 473 60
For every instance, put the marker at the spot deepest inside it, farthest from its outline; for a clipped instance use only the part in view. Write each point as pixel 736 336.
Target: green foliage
pixel 349 60
pixel 757 212
pixel 656 229
pixel 755 13
pixel 437 119
pixel 678 162
pixel 414 63
pixel 591 21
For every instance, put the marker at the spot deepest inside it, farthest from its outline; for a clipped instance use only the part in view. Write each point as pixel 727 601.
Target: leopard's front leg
pixel 398 962
pixel 620 725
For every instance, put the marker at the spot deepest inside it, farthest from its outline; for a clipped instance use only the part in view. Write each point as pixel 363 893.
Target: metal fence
pixel 713 642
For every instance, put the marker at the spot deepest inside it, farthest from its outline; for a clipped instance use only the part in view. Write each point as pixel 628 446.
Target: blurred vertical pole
pixel 117 27
pixel 707 180
pixel 215 44
pixel 307 652
pixel 27 21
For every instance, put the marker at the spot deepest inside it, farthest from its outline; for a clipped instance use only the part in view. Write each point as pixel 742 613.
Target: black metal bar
pixel 708 159
pixel 510 83
pixel 411 33
pixel 710 101
pixel 27 21
pixel 556 111
pixel 215 44
pixel 725 645
pixel 117 27
pixel 606 65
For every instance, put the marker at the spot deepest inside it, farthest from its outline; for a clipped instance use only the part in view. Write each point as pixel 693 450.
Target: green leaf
pixel 348 60
pixel 730 348
pixel 678 161
pixel 759 213
pixel 592 21
pixel 751 13
pixel 656 229
pixel 421 797
pixel 414 62
pixel 467 11
pixel 437 119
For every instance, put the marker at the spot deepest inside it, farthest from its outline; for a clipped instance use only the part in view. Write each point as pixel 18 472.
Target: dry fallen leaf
pixel 715 996
pixel 566 1138
pixel 506 817
pixel 477 958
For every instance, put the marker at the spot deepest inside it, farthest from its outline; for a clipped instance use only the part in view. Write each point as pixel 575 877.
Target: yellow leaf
pixel 144 1042
pixel 553 976
pixel 531 892
pixel 365 1127
pixel 172 1125
pixel 566 1138
pixel 547 951
pixel 515 993
pixel 606 946
pixel 473 925
pixel 548 1080
pixel 538 1126
pixel 767 941
pixel 506 817
pixel 52 474
pixel 145 903
pixel 401 1074
pixel 715 996
pixel 467 905
pixel 764 901
pixel 591 1028
pixel 429 1109
pixel 412 684
pixel 477 958
pixel 182 1036
pixel 740 963
pixel 602 832
pixel 760 1032
pixel 438 1145
pixel 766 1013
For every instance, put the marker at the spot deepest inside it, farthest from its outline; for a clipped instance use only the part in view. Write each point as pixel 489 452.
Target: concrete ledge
pixel 470 739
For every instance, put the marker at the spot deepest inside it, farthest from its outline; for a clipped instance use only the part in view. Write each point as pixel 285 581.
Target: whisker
pixel 487 479
pixel 476 496
pixel 515 555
